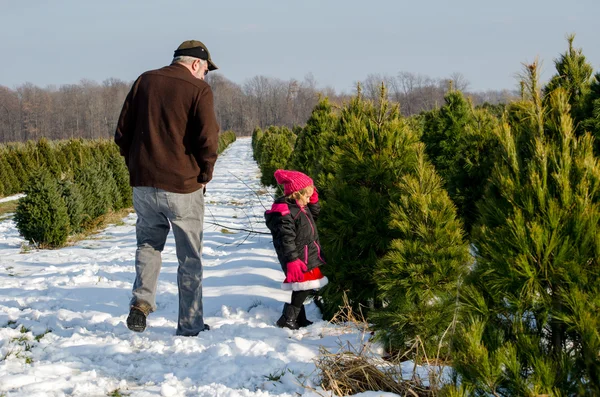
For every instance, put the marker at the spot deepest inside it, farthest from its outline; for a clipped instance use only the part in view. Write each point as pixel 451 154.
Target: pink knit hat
pixel 292 181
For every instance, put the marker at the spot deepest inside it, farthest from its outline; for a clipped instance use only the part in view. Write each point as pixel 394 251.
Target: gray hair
pixel 187 60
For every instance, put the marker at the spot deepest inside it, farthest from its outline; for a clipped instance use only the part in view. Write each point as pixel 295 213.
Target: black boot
pixel 302 320
pixel 289 317
pixel 136 320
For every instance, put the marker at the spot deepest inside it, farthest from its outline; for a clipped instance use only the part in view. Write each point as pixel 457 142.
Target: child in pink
pixel 291 220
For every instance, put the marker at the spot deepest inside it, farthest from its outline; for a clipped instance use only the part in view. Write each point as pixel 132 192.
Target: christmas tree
pixel 531 315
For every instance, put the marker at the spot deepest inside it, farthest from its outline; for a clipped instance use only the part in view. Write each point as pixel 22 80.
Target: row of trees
pixel 79 182
pixel 90 110
pixel 495 266
pixel 68 185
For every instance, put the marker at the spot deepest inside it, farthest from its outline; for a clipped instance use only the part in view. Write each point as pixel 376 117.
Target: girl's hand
pixel 295 271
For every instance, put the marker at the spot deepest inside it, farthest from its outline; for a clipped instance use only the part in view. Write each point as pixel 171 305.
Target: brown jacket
pixel 168 131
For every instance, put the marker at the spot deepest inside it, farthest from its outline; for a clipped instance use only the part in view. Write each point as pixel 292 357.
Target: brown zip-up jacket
pixel 168 132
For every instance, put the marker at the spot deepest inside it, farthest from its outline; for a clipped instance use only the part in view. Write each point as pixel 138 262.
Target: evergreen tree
pixel 75 153
pixel 120 174
pixel 19 173
pixel 73 199
pixel 375 149
pixel 419 276
pixel 257 135
pixel 592 122
pixel 96 200
pixel 460 143
pixel 60 156
pixel 41 216
pixel 275 150
pixel 109 189
pixel 9 181
pixel 311 149
pixel 46 157
pixel 574 75
pixel 225 139
pixel 259 144
pixel 531 317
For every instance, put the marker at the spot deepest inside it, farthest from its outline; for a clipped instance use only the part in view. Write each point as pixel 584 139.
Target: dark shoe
pixel 289 317
pixel 302 320
pixel 136 320
pixel 206 327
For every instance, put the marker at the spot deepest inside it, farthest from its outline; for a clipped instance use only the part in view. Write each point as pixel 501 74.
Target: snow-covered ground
pixel 11 198
pixel 62 312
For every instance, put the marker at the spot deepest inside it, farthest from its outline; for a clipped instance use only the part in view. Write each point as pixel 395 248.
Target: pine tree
pixel 531 317
pixel 374 150
pixel 257 135
pixel 9 181
pixel 96 200
pixel 19 172
pixel 574 75
pixel 120 174
pixel 419 276
pixel 109 188
pixel 46 157
pixel 275 149
pixel 311 148
pixel 41 216
pixel 592 122
pixel 73 199
pixel 460 143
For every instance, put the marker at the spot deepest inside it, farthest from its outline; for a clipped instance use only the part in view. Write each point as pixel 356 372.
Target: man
pixel 168 134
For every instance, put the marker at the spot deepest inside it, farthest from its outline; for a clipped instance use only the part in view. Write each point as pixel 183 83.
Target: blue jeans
pixel 158 210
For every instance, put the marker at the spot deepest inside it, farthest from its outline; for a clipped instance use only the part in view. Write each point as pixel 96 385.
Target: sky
pixel 81 294
pixel 338 42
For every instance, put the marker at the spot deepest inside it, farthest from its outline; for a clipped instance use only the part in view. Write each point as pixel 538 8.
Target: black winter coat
pixel 295 233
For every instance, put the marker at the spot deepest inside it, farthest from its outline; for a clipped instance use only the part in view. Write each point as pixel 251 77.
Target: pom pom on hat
pixel 292 181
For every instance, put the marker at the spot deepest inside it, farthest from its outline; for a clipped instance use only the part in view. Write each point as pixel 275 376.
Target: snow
pixel 11 198
pixel 62 312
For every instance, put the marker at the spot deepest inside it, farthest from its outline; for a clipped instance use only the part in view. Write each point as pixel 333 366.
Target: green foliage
pixel 375 161
pixel 312 146
pixel 574 75
pixel 257 135
pixel 530 307
pixel 10 184
pixel 46 157
pixel 76 153
pixel 19 172
pixel 419 276
pixel 225 139
pixel 275 148
pixel 109 189
pixel 120 174
pixel 71 194
pixel 460 143
pixel 96 195
pixel 41 216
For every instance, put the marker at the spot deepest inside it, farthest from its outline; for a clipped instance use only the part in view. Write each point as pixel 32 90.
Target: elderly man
pixel 168 134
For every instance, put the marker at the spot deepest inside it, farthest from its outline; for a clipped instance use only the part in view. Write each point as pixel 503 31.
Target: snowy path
pixel 81 294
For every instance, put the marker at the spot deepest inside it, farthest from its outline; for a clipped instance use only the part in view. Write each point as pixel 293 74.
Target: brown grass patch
pixel 357 370
pixel 347 373
pixel 8 207
pixel 100 223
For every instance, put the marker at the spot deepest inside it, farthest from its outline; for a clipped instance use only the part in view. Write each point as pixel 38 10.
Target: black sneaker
pixel 136 320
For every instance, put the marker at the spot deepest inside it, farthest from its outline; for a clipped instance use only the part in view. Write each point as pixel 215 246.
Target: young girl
pixel 291 220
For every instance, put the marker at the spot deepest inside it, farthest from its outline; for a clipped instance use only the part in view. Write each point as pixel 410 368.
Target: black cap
pixel 196 49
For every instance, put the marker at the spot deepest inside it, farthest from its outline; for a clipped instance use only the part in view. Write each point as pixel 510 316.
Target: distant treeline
pixel 90 110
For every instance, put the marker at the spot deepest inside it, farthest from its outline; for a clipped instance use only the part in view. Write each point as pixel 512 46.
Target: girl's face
pixel 303 200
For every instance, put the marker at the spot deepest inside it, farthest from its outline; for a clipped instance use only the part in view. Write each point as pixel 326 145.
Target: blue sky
pixel 339 42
